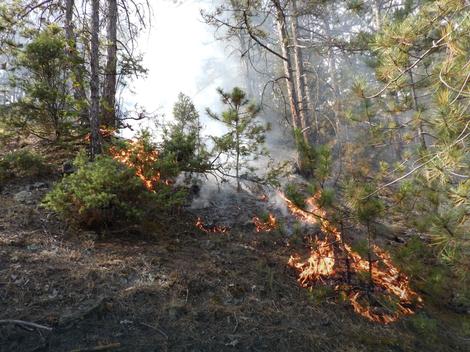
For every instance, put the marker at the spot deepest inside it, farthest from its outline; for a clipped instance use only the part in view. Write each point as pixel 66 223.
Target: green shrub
pixel 22 163
pixel 106 193
pixel 327 198
pixel 295 195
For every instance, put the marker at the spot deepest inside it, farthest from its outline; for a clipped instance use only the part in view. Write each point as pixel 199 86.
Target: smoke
pixel 182 55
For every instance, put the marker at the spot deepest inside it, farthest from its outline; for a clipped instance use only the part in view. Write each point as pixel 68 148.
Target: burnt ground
pixel 183 290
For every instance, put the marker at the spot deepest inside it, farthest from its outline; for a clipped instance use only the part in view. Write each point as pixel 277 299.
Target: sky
pixel 182 55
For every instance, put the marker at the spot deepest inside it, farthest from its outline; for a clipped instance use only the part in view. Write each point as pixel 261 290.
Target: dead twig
pixel 236 323
pixel 163 333
pixel 25 324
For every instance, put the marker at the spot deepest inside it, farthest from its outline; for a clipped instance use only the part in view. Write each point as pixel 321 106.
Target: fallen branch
pixel 25 323
pixel 98 348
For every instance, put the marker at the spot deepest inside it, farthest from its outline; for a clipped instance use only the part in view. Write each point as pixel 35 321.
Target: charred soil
pixel 180 290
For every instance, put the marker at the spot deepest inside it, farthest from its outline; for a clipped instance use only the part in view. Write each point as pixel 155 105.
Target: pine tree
pixel 432 43
pixel 245 137
pixel 182 138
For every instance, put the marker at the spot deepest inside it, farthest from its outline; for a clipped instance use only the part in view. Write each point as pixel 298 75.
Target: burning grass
pixel 265 226
pixel 210 228
pixel 331 261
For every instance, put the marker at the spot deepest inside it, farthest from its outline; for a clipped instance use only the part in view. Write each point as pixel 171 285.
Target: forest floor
pixel 183 290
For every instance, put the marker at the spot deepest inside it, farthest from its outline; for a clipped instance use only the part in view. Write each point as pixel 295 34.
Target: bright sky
pixel 182 55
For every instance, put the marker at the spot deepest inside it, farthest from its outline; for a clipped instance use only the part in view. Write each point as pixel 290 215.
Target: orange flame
pixel 136 157
pixel 265 226
pixel 324 263
pixel 320 263
pixel 211 229
pixel 105 132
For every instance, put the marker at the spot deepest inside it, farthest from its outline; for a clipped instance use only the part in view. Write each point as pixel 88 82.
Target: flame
pixel 320 263
pixel 135 156
pixel 211 229
pixel 105 132
pixel 265 226
pixel 325 262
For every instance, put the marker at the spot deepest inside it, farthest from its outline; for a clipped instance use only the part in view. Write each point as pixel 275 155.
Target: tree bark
pixel 79 93
pixel 69 27
pixel 288 71
pixel 300 77
pixel 377 11
pixel 109 90
pixel 420 131
pixel 246 64
pixel 237 166
pixel 94 80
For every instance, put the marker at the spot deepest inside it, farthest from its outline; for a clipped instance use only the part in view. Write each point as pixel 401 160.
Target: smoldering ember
pixel 214 175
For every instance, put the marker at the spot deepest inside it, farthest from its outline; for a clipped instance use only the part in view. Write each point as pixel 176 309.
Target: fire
pixel 211 228
pixel 265 226
pixel 332 259
pixel 320 263
pixel 105 133
pixel 136 157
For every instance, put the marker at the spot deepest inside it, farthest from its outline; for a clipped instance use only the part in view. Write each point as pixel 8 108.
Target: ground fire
pixel 334 262
pixel 265 226
pixel 211 228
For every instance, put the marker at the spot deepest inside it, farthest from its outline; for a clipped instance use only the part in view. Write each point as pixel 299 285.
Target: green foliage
pixel 438 280
pixel 363 202
pixel 294 193
pixel 435 201
pixel 22 163
pixel 182 139
pixel 105 193
pixel 327 198
pixel 47 110
pixel 361 246
pixel 243 142
pixel 315 161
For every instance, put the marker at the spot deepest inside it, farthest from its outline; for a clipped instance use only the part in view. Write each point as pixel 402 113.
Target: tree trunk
pixel 288 71
pixel 109 90
pixel 69 27
pixel 421 138
pixel 237 165
pixel 79 93
pixel 300 77
pixel 94 80
pixel 377 11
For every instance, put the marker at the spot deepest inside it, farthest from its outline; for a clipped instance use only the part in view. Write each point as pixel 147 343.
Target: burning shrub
pixel 295 195
pixel 333 261
pixel 106 192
